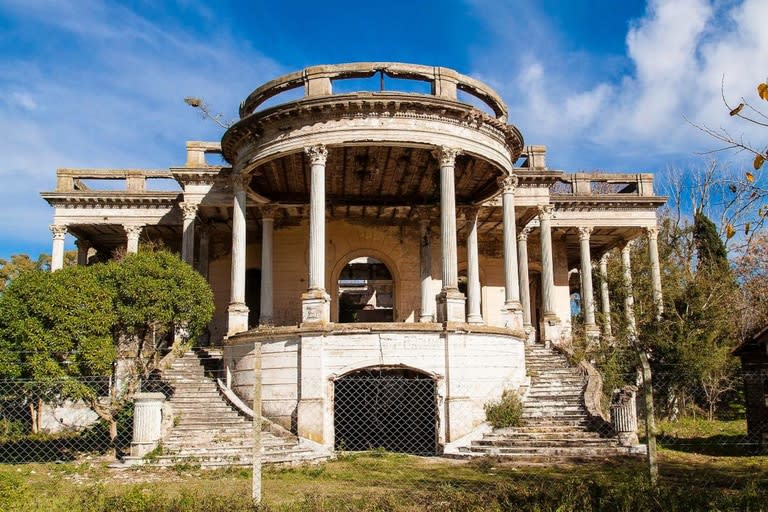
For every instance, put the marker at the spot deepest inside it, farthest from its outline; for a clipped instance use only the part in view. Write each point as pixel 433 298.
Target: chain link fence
pixel 561 428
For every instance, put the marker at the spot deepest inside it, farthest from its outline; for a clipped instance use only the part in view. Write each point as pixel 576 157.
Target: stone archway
pixel 364 288
pixel 390 408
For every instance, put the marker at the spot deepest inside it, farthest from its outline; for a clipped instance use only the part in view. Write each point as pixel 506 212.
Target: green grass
pixel 383 481
pixel 698 435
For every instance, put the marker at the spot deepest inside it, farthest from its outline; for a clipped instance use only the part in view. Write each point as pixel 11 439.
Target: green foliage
pixel 505 412
pixel 710 248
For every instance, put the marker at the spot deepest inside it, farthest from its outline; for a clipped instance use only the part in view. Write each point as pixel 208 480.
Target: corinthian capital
pixel 239 181
pixel 189 210
pixel 652 232
pixel 268 211
pixel 524 233
pixel 584 233
pixel 508 184
pixel 545 212
pixel 317 154
pixel 446 156
pixel 58 231
pixel 133 230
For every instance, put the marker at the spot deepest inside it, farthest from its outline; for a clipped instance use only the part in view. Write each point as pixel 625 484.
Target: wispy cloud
pixel 678 52
pixel 104 88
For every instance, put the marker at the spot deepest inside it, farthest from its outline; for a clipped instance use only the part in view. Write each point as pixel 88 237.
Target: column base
pixel 315 307
pixel 426 319
pixel 451 306
pixel 593 334
pixel 237 318
pixel 475 319
pixel 552 330
pixel 512 315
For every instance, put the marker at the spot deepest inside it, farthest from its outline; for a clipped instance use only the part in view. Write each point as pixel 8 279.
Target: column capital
pixel 268 211
pixel 604 258
pixel 508 184
pixel 58 231
pixel 585 232
pixel 652 232
pixel 239 181
pixel 133 230
pixel 546 211
pixel 627 246
pixel 425 214
pixel 523 235
pixel 446 156
pixel 318 154
pixel 189 209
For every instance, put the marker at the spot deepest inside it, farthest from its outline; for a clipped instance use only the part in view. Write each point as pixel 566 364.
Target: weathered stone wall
pixel 470 369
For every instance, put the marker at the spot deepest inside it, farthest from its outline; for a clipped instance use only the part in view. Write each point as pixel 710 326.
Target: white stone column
pixel 629 301
pixel 315 301
pixel 605 296
pixel 202 260
pixel 473 269
pixel 425 256
pixel 238 311
pixel 525 287
pixel 511 274
pixel 83 246
pixel 132 233
pixel 551 321
pixel 59 232
pixel 587 297
pixel 147 422
pixel 653 254
pixel 267 272
pixel 189 211
pixel 451 301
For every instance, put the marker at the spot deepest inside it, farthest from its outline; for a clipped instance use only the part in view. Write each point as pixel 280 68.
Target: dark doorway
pixel 253 295
pixel 394 409
pixel 366 292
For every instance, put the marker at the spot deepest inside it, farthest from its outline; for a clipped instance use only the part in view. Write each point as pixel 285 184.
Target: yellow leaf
pixel 750 177
pixel 737 109
pixel 758 163
pixel 762 91
pixel 729 231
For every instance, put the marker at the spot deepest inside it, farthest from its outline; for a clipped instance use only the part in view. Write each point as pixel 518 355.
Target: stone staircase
pixel 208 431
pixel 556 424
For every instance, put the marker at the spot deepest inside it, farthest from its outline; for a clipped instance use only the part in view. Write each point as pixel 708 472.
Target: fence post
pixel 256 490
pixel 650 423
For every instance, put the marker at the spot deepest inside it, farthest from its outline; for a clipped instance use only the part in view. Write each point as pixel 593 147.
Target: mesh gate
pixel 391 409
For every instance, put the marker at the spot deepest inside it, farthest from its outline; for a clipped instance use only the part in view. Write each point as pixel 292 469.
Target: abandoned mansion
pixel 404 234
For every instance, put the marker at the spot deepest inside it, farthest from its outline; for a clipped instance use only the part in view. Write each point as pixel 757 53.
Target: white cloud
pixel 23 100
pixel 678 52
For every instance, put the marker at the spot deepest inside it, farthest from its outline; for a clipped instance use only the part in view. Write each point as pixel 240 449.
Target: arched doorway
pixel 390 408
pixel 365 291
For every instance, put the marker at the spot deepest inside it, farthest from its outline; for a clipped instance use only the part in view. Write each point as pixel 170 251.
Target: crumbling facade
pixel 387 230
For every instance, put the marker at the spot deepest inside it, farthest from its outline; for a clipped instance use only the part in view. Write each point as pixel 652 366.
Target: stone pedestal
pixel 552 330
pixel 512 316
pixel 237 314
pixel 451 306
pixel 147 422
pixel 315 307
pixel 624 415
pixel 311 411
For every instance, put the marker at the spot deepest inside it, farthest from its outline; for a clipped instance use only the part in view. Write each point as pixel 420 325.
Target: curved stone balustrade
pixel 317 81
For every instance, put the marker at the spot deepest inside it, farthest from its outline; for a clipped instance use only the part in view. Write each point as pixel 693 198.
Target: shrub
pixel 506 412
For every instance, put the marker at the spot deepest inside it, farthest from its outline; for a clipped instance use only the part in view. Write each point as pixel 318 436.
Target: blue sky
pixel 604 84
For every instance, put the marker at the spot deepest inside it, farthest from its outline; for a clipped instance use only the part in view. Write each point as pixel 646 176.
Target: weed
pixel 506 412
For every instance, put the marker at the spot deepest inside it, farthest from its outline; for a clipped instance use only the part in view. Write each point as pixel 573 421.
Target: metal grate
pixel 391 409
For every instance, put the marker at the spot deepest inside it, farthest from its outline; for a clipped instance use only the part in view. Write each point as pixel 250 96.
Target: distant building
pixel 405 233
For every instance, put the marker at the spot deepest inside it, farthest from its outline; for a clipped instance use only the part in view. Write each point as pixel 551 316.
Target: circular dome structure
pixel 380 143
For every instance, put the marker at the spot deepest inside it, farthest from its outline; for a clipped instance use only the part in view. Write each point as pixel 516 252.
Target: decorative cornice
pixel 317 154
